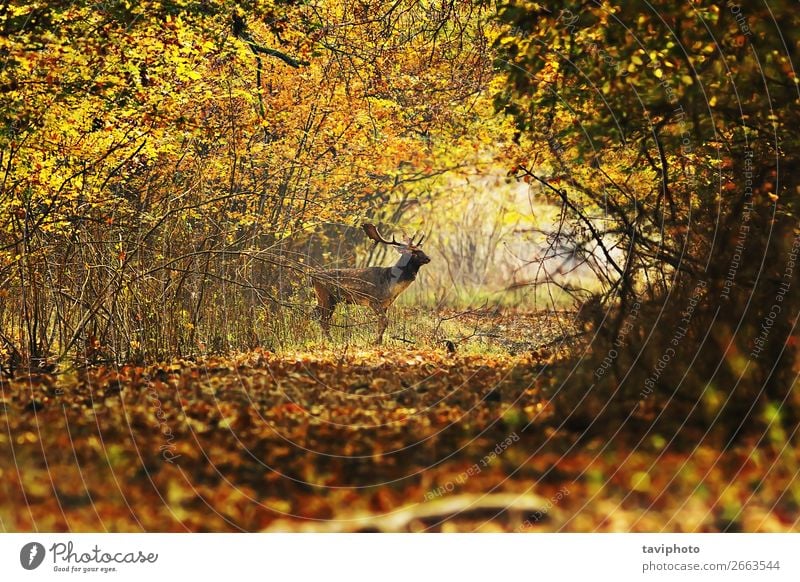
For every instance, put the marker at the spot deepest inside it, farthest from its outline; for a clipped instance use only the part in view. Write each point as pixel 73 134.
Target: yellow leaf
pixel 640 481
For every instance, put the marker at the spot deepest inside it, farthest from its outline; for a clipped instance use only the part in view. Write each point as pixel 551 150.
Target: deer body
pixel 373 287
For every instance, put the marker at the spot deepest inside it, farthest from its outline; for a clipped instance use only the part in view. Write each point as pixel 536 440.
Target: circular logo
pixel 31 555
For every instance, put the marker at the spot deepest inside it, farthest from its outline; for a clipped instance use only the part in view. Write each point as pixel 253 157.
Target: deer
pixel 373 287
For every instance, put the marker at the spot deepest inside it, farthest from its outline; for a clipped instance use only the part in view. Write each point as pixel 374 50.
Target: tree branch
pixel 240 31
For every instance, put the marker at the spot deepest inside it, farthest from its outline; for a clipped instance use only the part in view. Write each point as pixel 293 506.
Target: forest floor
pixel 361 439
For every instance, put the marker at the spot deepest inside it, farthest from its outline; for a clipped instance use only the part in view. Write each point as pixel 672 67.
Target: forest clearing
pixel 371 439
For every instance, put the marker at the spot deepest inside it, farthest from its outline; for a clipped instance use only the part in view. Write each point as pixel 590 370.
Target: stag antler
pixel 372 233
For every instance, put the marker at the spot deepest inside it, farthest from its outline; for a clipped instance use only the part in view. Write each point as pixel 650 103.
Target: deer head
pixel 410 249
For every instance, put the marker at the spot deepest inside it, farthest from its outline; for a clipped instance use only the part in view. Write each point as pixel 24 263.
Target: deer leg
pixel 324 315
pixel 383 322
pixel 326 304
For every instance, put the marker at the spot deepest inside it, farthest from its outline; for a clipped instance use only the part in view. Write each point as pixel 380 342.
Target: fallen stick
pixel 438 509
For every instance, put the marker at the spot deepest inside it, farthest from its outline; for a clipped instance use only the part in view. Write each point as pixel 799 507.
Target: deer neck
pixel 405 269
